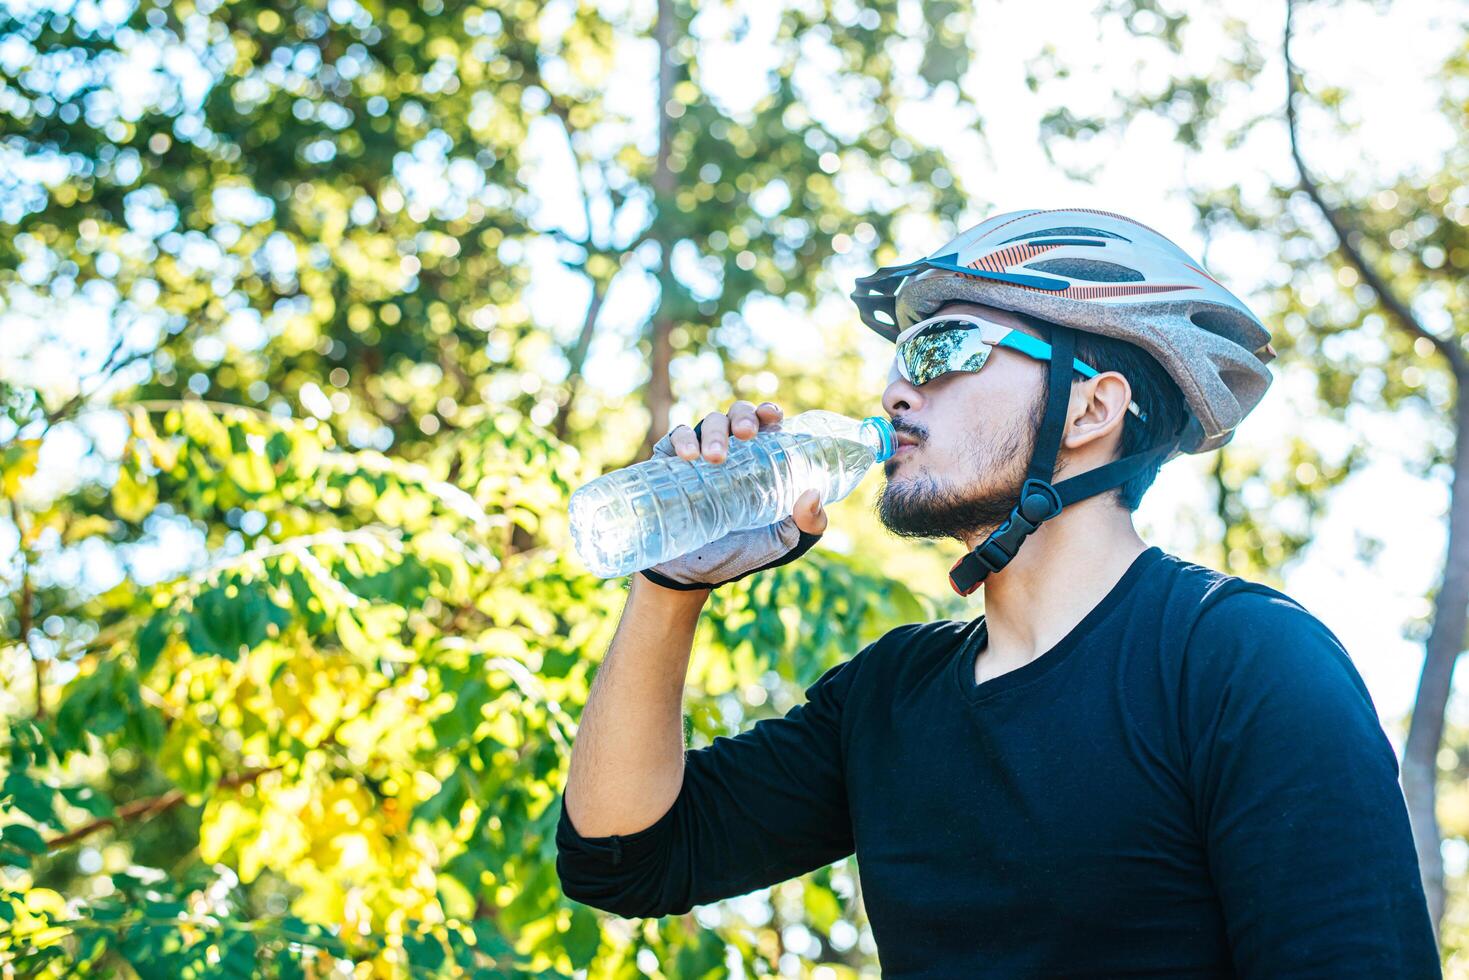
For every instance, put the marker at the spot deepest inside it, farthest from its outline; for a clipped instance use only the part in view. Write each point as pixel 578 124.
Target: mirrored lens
pixel 946 346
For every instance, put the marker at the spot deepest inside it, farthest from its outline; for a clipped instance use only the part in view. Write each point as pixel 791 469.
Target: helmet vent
pixel 1229 326
pixel 1069 230
pixel 1090 270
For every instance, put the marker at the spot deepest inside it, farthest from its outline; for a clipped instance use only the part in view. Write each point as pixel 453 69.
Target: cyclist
pixel 1129 765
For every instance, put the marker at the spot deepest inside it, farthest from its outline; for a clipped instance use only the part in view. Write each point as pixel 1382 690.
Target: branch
pixel 576 360
pixel 25 618
pixel 1399 310
pixel 562 113
pixel 140 810
pixel 110 366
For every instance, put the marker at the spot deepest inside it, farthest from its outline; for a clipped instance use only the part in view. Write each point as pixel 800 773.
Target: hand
pixel 742 552
pixel 744 421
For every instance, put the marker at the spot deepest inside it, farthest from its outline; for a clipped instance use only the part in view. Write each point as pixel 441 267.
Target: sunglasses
pixel 963 342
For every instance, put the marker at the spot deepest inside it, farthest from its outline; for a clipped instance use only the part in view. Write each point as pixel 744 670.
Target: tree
pixel 1370 301
pixel 292 659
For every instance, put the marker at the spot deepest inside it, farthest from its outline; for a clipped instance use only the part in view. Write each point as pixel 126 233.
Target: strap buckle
pixel 1039 502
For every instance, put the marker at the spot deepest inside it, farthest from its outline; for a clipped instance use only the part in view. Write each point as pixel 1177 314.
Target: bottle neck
pixel 877 435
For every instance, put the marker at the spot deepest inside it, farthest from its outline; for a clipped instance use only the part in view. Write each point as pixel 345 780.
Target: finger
pixel 768 413
pixel 685 442
pixel 742 421
pixel 809 514
pixel 715 436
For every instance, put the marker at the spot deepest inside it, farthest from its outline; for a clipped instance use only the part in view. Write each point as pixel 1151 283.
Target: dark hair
pixel 1153 390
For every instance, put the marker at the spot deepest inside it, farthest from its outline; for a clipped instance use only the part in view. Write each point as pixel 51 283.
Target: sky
pixel 1384 56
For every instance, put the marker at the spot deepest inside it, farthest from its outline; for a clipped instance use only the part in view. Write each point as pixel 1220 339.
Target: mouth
pixel 904 449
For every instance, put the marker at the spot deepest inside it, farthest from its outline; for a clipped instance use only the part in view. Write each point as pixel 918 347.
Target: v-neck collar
pixel 970 648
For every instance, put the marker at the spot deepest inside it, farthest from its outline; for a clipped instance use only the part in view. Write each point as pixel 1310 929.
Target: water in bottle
pixel 665 507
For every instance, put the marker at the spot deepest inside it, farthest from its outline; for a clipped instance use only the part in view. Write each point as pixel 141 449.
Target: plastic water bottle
pixel 653 511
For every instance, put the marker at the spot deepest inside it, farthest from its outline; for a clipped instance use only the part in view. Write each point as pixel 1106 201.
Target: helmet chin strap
pixel 1039 500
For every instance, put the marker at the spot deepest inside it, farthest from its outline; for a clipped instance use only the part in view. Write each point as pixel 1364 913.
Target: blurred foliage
pixel 1327 325
pixel 359 185
pixel 343 736
pixel 291 643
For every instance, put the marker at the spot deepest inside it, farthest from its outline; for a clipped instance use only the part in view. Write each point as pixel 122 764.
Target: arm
pixel 764 806
pixel 627 763
pixel 1296 795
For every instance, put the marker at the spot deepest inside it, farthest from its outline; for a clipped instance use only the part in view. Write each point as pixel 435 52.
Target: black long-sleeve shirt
pixel 1192 783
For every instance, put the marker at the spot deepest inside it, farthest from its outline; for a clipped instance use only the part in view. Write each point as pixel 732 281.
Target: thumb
pixel 809 514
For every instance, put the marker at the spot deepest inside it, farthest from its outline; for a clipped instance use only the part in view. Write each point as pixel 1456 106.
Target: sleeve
pixel 762 807
pixel 1297 799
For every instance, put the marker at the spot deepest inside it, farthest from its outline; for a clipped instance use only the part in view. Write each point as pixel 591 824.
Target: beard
pixel 921 507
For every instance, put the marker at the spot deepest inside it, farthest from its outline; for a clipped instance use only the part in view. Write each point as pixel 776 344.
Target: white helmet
pixel 1104 274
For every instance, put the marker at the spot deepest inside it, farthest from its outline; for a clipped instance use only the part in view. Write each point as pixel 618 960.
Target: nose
pixel 901 396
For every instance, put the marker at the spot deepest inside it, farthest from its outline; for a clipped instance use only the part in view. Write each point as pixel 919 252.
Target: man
pixel 1129 765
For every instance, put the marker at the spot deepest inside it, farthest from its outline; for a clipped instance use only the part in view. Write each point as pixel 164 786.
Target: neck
pixel 1061 573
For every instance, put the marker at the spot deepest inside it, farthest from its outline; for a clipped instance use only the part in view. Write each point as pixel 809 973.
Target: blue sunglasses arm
pixel 1040 351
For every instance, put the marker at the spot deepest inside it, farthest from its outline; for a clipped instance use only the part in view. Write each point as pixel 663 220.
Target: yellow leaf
pixel 132 500
pixel 203 427
pixel 18 462
pixel 224 821
pixel 165 452
pixel 251 472
pixel 505 642
pixel 45 900
pixel 503 726
pixel 86 527
pixel 353 639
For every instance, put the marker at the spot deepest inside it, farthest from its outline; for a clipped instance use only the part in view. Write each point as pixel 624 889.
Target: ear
pixel 1097 411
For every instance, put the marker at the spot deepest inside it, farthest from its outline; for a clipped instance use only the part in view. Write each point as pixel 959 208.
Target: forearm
pixel 627 763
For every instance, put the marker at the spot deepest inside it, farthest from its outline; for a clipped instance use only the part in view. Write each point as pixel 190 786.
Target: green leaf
pixel 582 936
pixel 446 803
pixel 35 800
pixel 700 957
pixel 424 951
pixel 23 837
pixel 490 940
pixel 239 956
pixel 151 640
pixel 222 624
pixel 89 799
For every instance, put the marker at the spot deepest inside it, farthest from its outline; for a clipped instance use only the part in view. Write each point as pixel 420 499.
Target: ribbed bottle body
pixel 657 510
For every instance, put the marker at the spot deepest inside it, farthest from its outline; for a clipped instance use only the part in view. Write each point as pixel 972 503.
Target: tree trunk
pixel 1445 641
pixel 659 392
pixel 1451 608
pixel 660 385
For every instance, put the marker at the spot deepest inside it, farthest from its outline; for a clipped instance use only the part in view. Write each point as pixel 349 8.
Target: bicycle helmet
pixel 1099 272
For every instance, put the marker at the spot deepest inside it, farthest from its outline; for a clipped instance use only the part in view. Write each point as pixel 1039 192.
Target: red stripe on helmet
pixel 1102 292
pixel 1206 275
